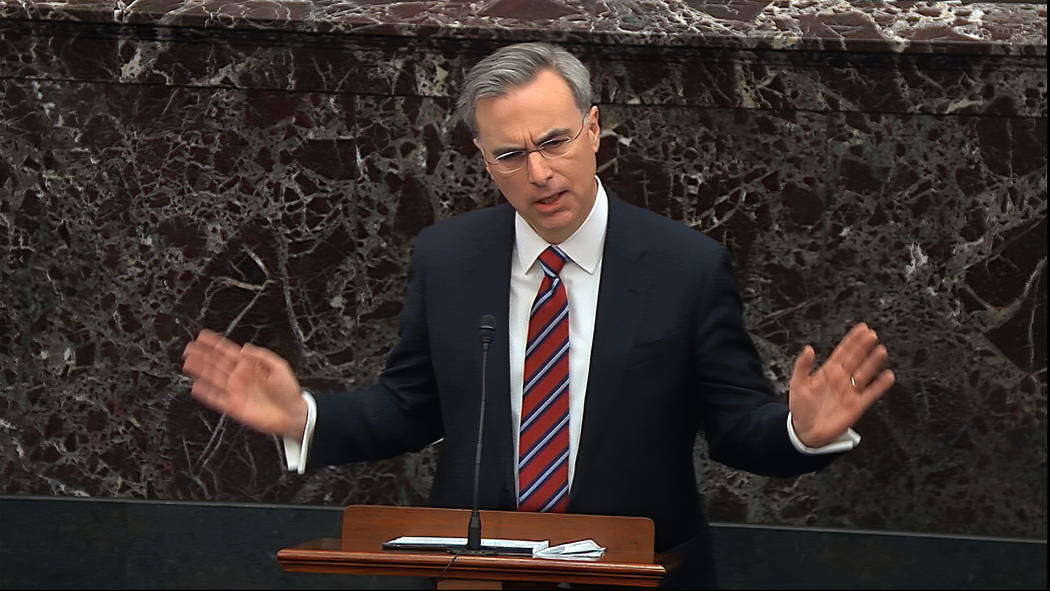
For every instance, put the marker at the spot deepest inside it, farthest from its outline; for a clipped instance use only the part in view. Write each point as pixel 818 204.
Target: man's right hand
pixel 252 385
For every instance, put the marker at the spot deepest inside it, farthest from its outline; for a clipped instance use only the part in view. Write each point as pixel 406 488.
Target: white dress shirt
pixel 581 275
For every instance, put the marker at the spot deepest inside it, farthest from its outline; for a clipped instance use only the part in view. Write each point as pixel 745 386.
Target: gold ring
pixel 854 382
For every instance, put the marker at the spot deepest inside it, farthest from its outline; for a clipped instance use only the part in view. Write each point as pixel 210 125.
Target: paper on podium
pixel 498 545
pixel 582 550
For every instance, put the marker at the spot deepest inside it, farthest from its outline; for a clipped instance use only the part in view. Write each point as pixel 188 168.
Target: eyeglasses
pixel 515 160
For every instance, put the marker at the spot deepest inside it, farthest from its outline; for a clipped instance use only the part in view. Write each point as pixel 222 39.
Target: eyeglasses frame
pixel 539 149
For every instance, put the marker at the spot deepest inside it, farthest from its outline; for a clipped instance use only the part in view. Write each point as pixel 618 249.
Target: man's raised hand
pixel 252 385
pixel 826 402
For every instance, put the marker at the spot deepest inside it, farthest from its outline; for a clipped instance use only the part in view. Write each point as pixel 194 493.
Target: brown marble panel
pixel 268 183
pixel 653 76
pixel 149 212
pixel 921 234
pixel 825 25
pixel 752 180
pixel 90 279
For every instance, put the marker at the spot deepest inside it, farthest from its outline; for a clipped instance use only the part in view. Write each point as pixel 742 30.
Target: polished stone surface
pixel 263 173
pixel 831 25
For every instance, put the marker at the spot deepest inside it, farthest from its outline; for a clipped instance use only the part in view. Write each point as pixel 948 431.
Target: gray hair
pixel 516 65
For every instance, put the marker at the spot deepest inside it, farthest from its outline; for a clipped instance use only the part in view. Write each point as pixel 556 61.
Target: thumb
pixel 804 363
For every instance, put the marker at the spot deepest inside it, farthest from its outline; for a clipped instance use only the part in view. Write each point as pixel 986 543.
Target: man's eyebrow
pixel 506 150
pixel 499 151
pixel 552 134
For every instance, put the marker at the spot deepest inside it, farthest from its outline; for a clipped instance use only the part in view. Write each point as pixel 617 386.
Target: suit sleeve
pixel 744 422
pixel 401 413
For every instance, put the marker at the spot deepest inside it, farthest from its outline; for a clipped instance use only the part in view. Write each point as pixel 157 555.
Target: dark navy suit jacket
pixel 670 358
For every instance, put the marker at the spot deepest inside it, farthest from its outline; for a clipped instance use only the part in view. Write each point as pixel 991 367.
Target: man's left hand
pixel 826 402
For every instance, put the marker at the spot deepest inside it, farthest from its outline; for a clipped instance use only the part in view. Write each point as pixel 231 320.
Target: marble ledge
pixel 953 27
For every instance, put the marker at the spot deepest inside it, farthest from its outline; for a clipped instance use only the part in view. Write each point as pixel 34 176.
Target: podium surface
pixel 628 559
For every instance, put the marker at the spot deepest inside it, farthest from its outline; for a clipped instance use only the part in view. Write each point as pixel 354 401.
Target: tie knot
pixel 553 259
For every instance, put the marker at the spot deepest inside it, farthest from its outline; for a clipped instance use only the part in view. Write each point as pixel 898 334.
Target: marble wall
pixel 262 168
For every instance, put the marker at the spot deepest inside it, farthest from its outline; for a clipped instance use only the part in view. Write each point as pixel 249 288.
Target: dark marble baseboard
pixel 77 543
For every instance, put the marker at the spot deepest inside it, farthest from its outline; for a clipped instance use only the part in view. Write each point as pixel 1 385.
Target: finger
pixel 803 365
pixel 198 350
pixel 198 347
pixel 214 349
pixel 210 337
pixel 220 346
pixel 200 366
pixel 210 396
pixel 205 340
pixel 872 393
pixel 194 362
pixel 854 347
pixel 847 347
pixel 213 344
pixel 870 367
pixel 266 358
pixel 879 386
pixel 204 348
pixel 247 375
pixel 208 377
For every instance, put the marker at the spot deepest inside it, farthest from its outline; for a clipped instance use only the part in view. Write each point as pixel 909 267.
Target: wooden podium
pixel 628 559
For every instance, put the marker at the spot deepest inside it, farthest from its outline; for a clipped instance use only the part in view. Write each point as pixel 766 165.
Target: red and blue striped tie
pixel 543 447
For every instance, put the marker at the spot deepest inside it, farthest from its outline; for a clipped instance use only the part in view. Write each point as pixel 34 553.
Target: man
pixel 618 336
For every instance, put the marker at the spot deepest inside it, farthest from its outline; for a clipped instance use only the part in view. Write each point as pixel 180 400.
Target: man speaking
pixel 618 337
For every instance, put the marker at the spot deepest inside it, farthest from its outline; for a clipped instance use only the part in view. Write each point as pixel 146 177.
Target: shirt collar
pixel 584 247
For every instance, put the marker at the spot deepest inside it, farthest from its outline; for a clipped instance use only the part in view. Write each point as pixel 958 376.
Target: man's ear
pixel 481 152
pixel 595 129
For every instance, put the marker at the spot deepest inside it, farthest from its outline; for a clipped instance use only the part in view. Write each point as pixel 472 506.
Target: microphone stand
pixel 488 325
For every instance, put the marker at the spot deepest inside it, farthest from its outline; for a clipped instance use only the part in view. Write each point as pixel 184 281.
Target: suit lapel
pixel 624 283
pixel 489 293
pixel 621 294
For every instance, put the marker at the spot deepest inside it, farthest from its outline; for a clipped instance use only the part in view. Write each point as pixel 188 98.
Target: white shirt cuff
pixel 295 451
pixel 845 442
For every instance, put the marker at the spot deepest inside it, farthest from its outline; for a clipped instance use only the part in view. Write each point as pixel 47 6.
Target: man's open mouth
pixel 551 199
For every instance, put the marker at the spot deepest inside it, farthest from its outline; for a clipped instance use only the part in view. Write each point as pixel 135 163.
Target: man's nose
pixel 539 169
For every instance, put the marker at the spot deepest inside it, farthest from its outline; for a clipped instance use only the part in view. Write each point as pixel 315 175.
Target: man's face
pixel 553 195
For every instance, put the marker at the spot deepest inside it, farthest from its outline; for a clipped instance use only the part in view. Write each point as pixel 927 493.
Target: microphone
pixel 486 331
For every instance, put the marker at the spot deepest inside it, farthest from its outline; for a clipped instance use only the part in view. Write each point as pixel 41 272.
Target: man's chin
pixel 554 228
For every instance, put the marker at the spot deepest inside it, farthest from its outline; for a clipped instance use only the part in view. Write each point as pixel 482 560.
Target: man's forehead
pixel 537 107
